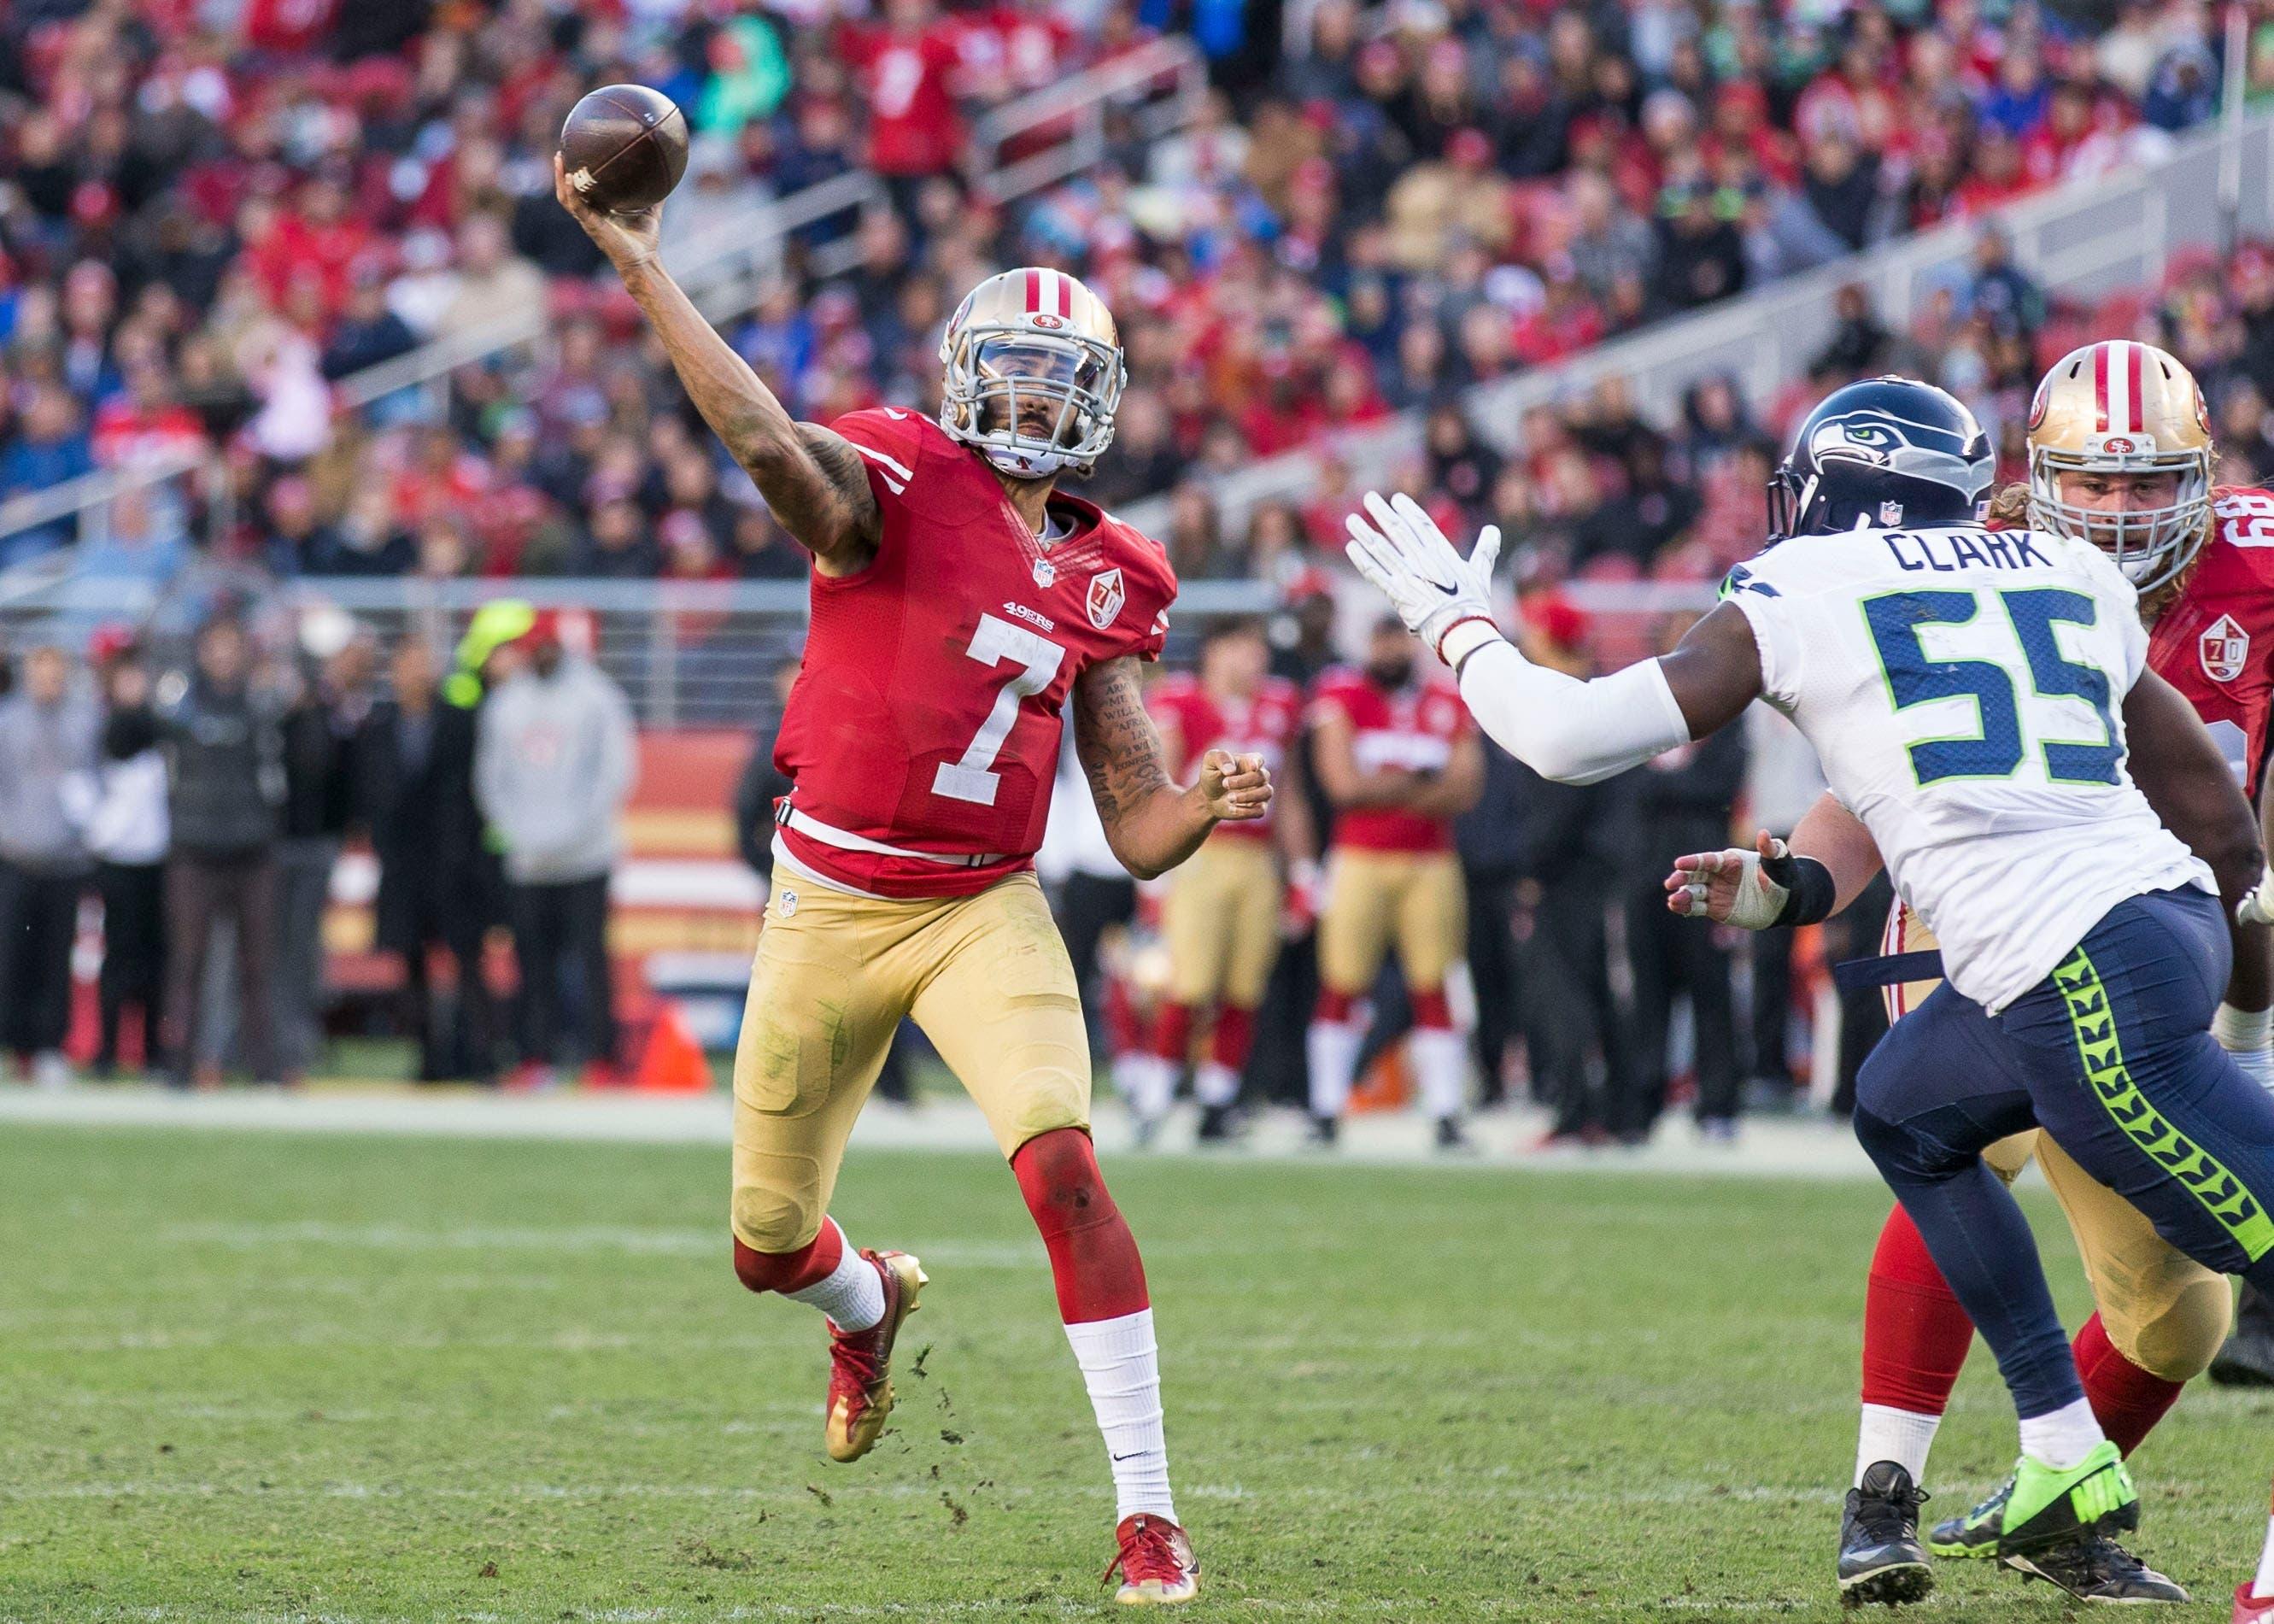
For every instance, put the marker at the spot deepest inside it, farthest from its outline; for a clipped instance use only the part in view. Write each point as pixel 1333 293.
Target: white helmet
pixel 1023 337
pixel 2124 408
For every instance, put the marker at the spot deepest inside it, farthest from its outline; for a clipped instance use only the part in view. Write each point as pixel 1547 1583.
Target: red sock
pixel 1915 1335
pixel 1172 1033
pixel 790 1271
pixel 1094 1257
pixel 1432 1012
pixel 1234 1036
pixel 1335 1008
pixel 2126 1399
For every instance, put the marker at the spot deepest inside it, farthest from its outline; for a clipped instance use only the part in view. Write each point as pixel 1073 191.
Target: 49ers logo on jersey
pixel 1106 596
pixel 2226 648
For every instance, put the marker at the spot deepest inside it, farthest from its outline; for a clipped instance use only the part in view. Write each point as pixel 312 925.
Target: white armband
pixel 1560 727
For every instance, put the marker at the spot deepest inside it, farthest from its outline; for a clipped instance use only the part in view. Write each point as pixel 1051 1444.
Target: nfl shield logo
pixel 1045 572
pixel 2226 648
pixel 1106 598
pixel 1890 514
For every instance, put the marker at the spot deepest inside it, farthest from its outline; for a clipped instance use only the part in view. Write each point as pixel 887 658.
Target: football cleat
pixel 2249 1609
pixel 2051 1507
pixel 2095 1568
pixel 1325 1131
pixel 1880 1557
pixel 1155 1563
pixel 1452 1139
pixel 1976 1533
pixel 1220 1124
pixel 2247 1359
pixel 860 1362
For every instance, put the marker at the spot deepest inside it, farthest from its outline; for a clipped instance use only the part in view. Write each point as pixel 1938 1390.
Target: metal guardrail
pixel 1161 83
pixel 2084 240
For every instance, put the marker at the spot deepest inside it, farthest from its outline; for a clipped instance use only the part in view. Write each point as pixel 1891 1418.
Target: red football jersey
pixel 1414 728
pixel 1262 725
pixel 2215 641
pixel 927 715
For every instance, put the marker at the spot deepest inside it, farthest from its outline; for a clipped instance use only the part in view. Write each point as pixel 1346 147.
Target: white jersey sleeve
pixel 1963 689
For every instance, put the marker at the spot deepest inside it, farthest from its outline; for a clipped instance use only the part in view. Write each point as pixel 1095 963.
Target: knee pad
pixel 1902 1151
pixel 2173 1335
pixel 773 1222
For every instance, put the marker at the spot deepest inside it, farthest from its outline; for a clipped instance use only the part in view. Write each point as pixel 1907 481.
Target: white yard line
pixel 1783 1147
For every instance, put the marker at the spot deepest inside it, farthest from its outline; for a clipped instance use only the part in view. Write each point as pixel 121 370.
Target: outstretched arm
pixel 1560 727
pixel 1152 824
pixel 811 478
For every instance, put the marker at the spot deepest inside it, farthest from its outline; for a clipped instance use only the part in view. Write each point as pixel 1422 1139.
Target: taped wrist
pixel 1811 891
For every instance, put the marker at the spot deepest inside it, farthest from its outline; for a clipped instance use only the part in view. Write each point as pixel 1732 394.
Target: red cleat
pixel 860 1362
pixel 1155 1563
pixel 2249 1609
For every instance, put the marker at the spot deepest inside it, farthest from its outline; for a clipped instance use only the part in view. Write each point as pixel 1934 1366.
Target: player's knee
pixel 772 1224
pixel 2179 1340
pixel 1900 1152
pixel 1059 1175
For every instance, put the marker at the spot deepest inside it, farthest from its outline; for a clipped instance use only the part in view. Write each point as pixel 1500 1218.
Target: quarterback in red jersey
pixel 1399 761
pixel 1223 911
pixel 961 606
pixel 2121 454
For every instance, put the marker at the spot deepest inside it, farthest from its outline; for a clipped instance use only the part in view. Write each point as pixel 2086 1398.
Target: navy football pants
pixel 2111 1055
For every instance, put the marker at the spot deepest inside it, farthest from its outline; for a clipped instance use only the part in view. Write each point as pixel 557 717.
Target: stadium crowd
pixel 213 213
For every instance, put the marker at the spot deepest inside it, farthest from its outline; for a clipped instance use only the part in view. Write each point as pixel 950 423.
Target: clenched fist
pixel 1235 788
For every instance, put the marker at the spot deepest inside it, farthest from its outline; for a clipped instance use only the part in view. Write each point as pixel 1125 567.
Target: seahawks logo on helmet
pixel 1887 451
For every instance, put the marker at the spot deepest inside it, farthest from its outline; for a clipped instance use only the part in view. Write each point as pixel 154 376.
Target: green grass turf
pixel 259 1376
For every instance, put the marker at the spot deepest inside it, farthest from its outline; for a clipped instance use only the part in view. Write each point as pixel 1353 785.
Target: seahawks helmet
pixel 1883 454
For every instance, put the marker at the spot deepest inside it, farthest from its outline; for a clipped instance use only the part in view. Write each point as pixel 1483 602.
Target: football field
pixel 253 1375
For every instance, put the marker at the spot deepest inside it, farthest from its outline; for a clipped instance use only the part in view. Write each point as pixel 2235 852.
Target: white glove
pixel 2247 1035
pixel 1433 588
pixel 2258 907
pixel 1732 887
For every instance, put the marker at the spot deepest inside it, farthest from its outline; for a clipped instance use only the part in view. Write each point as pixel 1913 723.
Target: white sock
pixel 2263 1586
pixel 1148 1083
pixel 1333 1052
pixel 853 1295
pixel 1441 1069
pixel 1215 1083
pixel 1903 1436
pixel 2061 1437
pixel 1121 1365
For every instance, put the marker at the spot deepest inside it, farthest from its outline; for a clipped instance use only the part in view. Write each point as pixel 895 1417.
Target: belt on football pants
pixel 1887 970
pixel 787 817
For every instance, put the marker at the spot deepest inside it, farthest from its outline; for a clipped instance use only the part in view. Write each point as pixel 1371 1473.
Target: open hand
pixel 1730 887
pixel 628 240
pixel 1237 789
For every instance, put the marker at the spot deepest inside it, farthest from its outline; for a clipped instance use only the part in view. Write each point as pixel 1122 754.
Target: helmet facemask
pixel 1031 403
pixel 2151 545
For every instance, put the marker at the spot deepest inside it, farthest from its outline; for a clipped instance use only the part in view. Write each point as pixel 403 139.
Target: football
pixel 625 147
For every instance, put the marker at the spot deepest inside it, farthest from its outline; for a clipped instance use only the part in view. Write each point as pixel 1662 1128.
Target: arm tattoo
pixel 1119 749
pixel 820 492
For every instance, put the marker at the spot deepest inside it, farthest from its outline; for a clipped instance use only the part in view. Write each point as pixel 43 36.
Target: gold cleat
pixel 860 1362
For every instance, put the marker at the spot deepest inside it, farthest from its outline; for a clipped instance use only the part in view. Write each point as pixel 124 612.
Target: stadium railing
pixel 1043 139
pixel 2084 240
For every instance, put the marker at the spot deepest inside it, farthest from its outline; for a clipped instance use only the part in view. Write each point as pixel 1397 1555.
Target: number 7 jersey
pixel 1963 689
pixel 922 737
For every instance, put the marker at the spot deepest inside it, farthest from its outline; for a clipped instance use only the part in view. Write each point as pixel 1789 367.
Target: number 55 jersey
pixel 923 734
pixel 1963 689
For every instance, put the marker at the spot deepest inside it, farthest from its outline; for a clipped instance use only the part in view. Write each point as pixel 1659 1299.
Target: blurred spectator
pixel 554 763
pixel 1679 802
pixel 49 731
pixel 323 779
pixel 419 761
pixel 225 759
pixel 127 832
pixel 48 446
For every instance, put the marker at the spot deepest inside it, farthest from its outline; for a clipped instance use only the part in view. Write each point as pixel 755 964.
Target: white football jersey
pixel 1964 690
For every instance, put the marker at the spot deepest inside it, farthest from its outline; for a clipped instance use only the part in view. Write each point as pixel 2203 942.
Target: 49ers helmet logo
pixel 2226 648
pixel 1106 596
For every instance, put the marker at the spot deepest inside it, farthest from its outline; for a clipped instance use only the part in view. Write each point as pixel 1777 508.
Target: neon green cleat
pixel 1973 1533
pixel 2049 1507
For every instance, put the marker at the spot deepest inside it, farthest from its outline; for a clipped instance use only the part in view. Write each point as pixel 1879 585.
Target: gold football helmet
pixel 1033 373
pixel 2124 408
